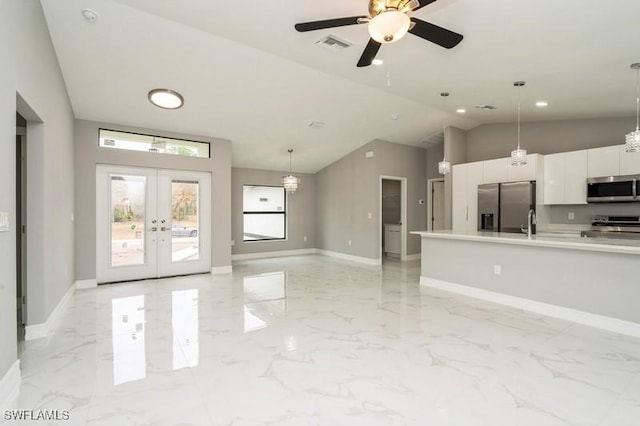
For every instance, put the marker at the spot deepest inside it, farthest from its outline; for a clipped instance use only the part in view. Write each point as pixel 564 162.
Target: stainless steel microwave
pixel 613 189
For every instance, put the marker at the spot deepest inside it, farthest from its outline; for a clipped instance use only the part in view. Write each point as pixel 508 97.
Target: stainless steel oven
pixel 613 189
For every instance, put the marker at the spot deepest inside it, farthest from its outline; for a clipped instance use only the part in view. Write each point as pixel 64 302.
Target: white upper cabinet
pixel 565 178
pixel 554 178
pixel 575 177
pixel 603 161
pixel 495 171
pixel 629 162
pixel 523 172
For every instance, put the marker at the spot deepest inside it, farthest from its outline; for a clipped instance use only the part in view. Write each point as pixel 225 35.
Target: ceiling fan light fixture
pixel 166 98
pixel 389 26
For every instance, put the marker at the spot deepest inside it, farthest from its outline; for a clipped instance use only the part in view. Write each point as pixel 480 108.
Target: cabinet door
pixel 603 161
pixel 629 162
pixel 523 172
pixel 575 177
pixel 475 172
pixel 459 198
pixel 554 180
pixel 495 171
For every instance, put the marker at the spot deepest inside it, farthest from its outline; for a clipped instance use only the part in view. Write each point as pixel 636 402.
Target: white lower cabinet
pixel 565 178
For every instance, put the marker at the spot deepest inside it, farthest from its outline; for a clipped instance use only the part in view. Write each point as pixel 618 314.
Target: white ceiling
pixel 248 76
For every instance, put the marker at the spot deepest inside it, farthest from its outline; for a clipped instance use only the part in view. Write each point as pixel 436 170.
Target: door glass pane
pixel 185 238
pixel 127 220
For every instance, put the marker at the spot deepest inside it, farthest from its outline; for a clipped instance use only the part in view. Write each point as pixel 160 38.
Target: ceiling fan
pixel 389 21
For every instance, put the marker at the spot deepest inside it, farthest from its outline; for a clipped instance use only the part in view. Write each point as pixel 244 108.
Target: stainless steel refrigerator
pixel 504 207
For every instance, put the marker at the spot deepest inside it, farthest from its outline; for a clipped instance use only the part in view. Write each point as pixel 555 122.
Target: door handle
pixel 154 228
pixel 164 228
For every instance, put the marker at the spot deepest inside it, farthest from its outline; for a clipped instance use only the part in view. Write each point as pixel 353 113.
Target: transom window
pixel 265 215
pixel 148 143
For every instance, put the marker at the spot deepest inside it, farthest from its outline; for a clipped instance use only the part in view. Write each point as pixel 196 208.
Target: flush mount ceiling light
pixel 632 139
pixel 461 110
pixel 519 155
pixel 444 167
pixel 542 104
pixel 290 182
pixel 166 98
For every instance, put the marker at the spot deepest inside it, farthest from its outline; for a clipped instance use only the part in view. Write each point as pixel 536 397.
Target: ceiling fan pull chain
pixel 388 79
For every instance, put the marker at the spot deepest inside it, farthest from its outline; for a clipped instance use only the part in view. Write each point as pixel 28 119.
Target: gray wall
pixel 571 278
pixel 491 141
pixel 88 154
pixel 301 211
pixel 349 189
pixel 30 69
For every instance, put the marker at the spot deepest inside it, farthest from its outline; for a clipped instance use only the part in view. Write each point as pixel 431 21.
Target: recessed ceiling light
pixel 377 62
pixel 90 15
pixel 166 98
pixel 461 110
pixel 542 104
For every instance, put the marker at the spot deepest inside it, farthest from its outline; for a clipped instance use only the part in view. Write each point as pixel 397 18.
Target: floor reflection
pixel 129 358
pixel 184 319
pixel 265 299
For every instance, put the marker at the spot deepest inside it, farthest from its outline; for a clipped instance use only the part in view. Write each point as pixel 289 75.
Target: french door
pixel 151 223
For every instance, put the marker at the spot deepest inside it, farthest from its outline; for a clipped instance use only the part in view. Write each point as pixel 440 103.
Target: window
pixel 148 143
pixel 265 215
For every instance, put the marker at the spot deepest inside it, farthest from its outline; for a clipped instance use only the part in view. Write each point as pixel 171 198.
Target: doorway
pixel 435 207
pixel 21 223
pixel 151 223
pixel 393 218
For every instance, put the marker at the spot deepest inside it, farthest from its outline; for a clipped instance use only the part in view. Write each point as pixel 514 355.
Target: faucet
pixel 531 223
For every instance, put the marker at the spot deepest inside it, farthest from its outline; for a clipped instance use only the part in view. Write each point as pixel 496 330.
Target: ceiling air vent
pixel 334 43
pixel 485 107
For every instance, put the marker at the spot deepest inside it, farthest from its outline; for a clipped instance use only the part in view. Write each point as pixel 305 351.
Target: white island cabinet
pixel 565 178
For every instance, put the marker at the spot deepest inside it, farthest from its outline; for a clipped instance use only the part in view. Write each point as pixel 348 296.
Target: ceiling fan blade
pixel 369 53
pixel 435 34
pixel 329 23
pixel 423 3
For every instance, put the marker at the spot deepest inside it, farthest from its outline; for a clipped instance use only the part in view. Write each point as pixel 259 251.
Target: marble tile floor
pixel 312 340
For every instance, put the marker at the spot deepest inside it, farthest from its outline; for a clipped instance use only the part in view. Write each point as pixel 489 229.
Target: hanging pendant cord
pixel 290 151
pixel 444 125
pixel 519 117
pixel 637 99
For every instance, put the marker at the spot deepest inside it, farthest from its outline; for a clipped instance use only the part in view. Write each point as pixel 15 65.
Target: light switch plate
pixel 4 221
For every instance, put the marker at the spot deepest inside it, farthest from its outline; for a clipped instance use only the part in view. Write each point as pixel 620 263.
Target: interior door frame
pixel 403 215
pixel 430 183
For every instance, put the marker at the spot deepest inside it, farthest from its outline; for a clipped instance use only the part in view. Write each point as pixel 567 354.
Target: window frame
pixel 283 213
pixel 208 144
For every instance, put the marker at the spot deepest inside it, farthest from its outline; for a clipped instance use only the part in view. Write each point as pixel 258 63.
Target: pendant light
pixel 444 167
pixel 290 182
pixel 519 155
pixel 632 139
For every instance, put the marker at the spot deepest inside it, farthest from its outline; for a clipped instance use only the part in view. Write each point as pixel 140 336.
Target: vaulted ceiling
pixel 248 76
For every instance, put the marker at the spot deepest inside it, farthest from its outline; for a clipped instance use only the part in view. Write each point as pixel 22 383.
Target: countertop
pixel 543 239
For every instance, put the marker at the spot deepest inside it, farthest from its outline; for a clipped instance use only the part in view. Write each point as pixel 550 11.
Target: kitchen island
pixel 590 281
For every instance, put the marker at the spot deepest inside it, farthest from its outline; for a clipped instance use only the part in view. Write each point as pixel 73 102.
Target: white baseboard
pixel 86 284
pixel 267 254
pixel 37 331
pixel 411 257
pixel 581 317
pixel 220 270
pixel 365 260
pixel 10 385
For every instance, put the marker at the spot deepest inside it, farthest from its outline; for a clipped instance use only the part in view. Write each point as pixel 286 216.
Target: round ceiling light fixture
pixel 166 98
pixel 389 26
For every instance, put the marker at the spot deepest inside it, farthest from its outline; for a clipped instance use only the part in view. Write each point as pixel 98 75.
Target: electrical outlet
pixel 497 269
pixel 571 216
pixel 349 243
pixel 305 238
pixel 370 215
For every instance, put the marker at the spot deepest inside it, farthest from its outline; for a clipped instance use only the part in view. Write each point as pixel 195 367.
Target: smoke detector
pixel 485 107
pixel 90 15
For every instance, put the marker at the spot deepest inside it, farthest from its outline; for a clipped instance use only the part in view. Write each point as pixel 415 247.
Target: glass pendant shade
pixel 290 182
pixel 444 167
pixel 389 26
pixel 519 157
pixel 632 139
